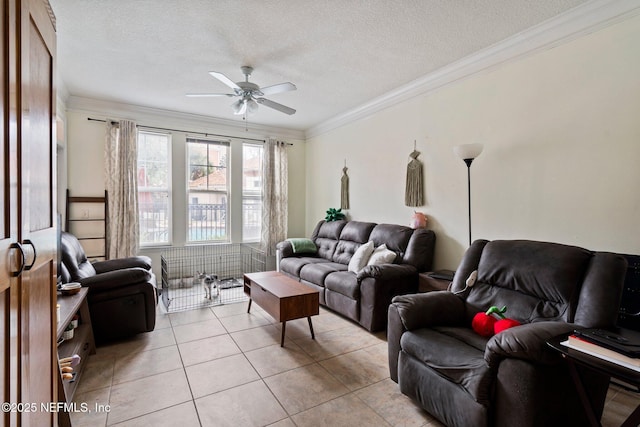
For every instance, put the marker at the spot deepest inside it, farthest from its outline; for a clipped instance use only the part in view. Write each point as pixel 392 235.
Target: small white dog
pixel 210 284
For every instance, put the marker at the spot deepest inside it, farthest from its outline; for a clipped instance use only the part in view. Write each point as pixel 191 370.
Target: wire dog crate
pixel 208 275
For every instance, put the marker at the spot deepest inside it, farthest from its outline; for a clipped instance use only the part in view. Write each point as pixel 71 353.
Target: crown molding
pixel 174 119
pixel 577 22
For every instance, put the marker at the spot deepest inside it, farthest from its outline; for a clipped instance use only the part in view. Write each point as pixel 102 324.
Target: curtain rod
pixel 185 131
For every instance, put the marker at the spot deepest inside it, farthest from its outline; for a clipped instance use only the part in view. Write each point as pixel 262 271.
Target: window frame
pixel 226 194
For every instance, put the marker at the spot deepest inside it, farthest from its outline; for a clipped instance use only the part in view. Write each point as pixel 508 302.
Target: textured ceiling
pixel 339 53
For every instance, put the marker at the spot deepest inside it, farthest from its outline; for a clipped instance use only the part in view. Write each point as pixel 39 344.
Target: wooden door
pixel 9 295
pixel 28 365
pixel 5 235
pixel 37 215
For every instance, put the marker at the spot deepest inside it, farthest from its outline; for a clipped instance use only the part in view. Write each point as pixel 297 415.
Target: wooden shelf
pixel 86 218
pixel 82 342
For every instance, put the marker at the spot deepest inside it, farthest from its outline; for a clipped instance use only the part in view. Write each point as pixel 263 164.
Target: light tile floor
pixel 220 366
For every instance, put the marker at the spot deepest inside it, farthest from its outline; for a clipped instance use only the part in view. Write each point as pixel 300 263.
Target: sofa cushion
pixel 343 282
pixel 74 258
pixel 316 273
pixel 357 231
pixel 360 257
pixel 535 280
pixel 326 235
pixel 343 304
pixel 463 363
pixel 293 265
pixel 328 230
pixel 420 249
pixel 396 237
pixel 353 235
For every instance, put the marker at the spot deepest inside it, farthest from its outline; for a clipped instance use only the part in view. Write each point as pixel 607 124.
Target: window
pixel 154 188
pixel 208 190
pixel 251 192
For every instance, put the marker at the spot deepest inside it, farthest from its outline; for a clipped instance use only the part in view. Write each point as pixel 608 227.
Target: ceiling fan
pixel 250 93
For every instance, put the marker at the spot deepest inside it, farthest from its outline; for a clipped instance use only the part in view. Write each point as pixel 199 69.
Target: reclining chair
pixel 122 292
pixel 512 378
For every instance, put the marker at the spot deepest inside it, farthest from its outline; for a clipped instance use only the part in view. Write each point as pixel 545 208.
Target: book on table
pixel 621 340
pixel 578 343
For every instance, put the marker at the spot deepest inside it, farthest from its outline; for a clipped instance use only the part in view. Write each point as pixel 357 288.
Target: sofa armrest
pixel 526 342
pixel 378 285
pixel 387 271
pixel 121 263
pixel 285 248
pixel 117 278
pixel 395 329
pixel 438 308
pixel 408 312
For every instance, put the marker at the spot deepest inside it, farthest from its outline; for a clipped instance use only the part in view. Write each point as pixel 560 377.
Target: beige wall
pixel 561 130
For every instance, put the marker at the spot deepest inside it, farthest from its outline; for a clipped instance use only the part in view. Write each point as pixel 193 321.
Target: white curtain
pixel 121 182
pixel 274 195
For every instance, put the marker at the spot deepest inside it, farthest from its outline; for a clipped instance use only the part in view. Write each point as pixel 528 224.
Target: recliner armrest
pixel 526 342
pixel 117 278
pixel 387 271
pixel 438 308
pixel 122 263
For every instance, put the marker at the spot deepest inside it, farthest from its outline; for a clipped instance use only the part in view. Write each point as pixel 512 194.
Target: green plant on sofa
pixel 334 214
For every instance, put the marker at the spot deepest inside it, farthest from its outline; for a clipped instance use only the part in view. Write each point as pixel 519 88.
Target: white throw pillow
pixel 381 255
pixel 360 257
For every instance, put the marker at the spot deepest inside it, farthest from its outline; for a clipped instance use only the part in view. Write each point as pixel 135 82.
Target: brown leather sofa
pixel 512 378
pixel 122 292
pixel 363 296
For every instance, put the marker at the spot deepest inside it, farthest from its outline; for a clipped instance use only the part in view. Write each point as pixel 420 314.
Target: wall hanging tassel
pixel 414 193
pixel 344 189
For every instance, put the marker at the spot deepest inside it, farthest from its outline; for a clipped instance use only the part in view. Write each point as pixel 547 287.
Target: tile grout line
pixel 184 370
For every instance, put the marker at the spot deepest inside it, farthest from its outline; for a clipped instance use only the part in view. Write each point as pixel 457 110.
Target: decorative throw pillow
pixel 381 255
pixel 360 257
pixel 302 245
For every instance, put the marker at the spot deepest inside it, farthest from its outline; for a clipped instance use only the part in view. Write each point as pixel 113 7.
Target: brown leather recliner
pixel 512 378
pixel 122 292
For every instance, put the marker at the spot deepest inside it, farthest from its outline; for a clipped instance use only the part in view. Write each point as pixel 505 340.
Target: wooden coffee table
pixel 282 297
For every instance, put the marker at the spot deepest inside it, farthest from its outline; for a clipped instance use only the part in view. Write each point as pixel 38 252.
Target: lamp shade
pixel 239 107
pixel 252 106
pixel 468 151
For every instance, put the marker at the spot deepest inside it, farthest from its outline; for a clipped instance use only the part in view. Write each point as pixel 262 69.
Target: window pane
pixel 154 217
pixel 208 192
pixel 251 192
pixel 154 189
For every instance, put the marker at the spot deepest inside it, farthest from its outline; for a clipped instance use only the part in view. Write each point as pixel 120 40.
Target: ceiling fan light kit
pixel 250 93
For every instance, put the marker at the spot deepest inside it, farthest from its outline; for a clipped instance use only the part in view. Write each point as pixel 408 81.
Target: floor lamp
pixel 468 152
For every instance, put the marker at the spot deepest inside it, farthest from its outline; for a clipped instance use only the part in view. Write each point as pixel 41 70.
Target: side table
pixel 576 357
pixel 434 280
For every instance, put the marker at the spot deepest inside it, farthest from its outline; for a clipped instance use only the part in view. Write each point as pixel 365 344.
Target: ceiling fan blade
pixel 224 79
pixel 276 106
pixel 204 95
pixel 281 87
